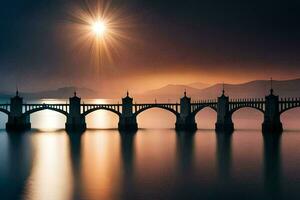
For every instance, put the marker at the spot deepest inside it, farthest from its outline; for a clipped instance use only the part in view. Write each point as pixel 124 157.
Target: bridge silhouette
pixel 271 106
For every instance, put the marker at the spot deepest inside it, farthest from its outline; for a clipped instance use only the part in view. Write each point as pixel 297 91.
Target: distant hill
pixel 253 89
pixel 198 85
pixel 60 93
pixel 168 91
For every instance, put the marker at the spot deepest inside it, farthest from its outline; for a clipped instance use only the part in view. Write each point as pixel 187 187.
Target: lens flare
pixel 101 30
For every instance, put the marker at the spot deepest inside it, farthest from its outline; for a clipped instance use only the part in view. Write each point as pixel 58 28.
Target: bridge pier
pixel 224 118
pixel 127 120
pixel 185 124
pixel 185 121
pixel 272 123
pixel 75 121
pixel 127 124
pixel 18 123
pixel 16 120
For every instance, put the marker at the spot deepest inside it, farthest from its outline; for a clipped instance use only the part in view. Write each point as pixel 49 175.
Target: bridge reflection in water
pixel 185 111
pixel 154 164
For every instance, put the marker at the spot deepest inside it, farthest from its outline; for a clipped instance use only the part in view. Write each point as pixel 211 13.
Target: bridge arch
pixel 247 106
pixel 289 108
pixel 247 117
pixel 196 111
pixel 3 119
pixel 206 117
pixel 156 117
pixel 290 118
pixel 101 108
pixel 101 119
pixel 156 106
pixel 47 119
pixel 4 111
pixel 29 112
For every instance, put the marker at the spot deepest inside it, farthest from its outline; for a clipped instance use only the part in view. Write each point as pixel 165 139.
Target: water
pixel 155 163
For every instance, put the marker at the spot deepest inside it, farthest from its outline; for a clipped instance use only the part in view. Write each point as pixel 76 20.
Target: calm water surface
pixel 155 163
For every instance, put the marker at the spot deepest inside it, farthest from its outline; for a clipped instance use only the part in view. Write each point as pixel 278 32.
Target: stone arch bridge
pixel 271 106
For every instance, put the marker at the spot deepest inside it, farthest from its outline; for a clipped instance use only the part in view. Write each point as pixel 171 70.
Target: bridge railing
pixel 247 100
pixel 288 103
pixel 29 107
pixel 5 106
pixel 98 104
pixel 206 101
pixel 289 100
pixel 86 107
pixel 200 104
pixel 139 106
pixel 258 103
pixel 153 104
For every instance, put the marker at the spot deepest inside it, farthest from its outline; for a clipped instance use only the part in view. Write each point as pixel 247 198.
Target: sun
pixel 101 31
pixel 99 28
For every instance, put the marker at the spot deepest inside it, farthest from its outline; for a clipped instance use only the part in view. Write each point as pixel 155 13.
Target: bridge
pixel 271 106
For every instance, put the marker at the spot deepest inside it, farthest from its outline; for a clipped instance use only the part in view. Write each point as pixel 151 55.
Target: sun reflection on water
pixel 105 164
pixel 101 164
pixel 51 175
pixel 48 120
pixel 101 119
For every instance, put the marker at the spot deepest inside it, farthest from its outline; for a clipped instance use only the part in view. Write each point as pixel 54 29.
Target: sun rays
pixel 101 30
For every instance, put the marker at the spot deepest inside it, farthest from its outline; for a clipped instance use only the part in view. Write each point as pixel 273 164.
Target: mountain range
pixel 60 93
pixel 252 89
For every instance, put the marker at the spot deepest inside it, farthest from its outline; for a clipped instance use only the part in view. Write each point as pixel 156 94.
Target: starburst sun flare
pixel 101 30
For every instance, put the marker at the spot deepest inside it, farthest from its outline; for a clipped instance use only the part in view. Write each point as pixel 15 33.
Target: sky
pixel 167 42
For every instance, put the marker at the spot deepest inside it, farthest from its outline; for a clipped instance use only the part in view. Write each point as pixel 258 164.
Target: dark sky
pixel 172 42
